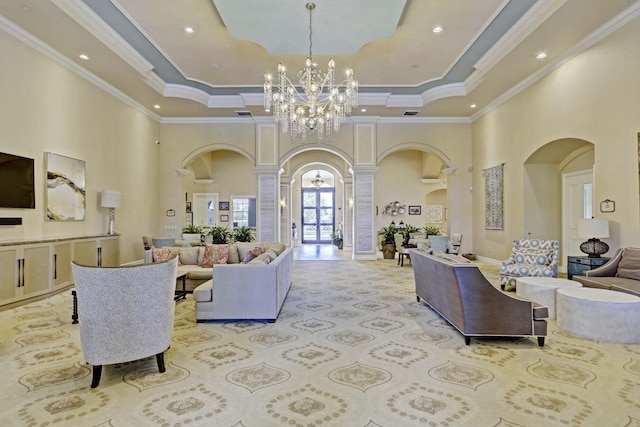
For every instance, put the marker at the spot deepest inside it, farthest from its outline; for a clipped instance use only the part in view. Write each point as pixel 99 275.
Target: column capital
pixel 356 170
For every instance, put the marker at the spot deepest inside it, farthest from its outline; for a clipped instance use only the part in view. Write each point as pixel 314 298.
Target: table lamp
pixel 594 229
pixel 111 199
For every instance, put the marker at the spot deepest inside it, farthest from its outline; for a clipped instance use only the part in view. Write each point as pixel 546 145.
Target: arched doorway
pixel 317 206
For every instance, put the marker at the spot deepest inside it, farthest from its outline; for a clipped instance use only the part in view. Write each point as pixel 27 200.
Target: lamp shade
pixel 111 199
pixel 594 227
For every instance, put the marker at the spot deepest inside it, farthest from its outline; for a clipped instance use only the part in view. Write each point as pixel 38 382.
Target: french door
pixel 318 215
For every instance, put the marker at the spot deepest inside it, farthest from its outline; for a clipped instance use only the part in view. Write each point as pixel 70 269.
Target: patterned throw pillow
pixel 252 254
pixel 532 257
pixel 215 254
pixel 165 254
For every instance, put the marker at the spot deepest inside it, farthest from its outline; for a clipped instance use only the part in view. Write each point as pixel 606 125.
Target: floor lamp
pixel 111 199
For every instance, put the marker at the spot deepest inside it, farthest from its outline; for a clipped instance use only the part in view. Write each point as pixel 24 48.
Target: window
pixel 243 211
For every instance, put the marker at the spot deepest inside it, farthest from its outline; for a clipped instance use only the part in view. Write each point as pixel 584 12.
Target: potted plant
pixel 191 232
pixel 387 241
pixel 432 230
pixel 243 234
pixel 337 239
pixel 219 234
pixel 407 230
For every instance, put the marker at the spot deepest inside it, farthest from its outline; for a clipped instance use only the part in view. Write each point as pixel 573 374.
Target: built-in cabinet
pixel 33 268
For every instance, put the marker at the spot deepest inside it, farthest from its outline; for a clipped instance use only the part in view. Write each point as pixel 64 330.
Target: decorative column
pixel 285 211
pixel 348 212
pixel 268 175
pixel 364 170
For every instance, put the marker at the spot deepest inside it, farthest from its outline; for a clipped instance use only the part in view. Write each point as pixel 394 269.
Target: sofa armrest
pixel 609 269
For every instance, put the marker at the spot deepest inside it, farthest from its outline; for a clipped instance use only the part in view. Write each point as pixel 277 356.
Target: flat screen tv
pixel 16 182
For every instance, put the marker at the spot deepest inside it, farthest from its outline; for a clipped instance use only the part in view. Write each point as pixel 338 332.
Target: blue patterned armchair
pixel 530 257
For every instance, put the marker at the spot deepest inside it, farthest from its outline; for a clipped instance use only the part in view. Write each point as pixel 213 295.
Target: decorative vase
pixel 388 250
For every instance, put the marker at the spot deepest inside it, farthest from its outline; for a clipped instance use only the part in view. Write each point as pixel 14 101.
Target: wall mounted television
pixel 17 188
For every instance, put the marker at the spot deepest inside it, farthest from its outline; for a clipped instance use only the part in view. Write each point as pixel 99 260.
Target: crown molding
pixel 605 30
pixel 93 23
pixel 444 91
pixel 38 45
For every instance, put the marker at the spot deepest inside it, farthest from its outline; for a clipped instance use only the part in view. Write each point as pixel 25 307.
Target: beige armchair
pixel 126 313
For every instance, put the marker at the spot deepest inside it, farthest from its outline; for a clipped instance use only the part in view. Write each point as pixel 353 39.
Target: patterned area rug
pixel 351 347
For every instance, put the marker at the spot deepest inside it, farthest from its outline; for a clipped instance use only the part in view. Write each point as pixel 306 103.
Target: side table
pixel 576 265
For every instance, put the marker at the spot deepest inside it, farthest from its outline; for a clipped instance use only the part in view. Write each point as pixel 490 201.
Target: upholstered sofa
pixel 621 273
pixel 255 291
pixel 457 290
pixel 196 263
pixel 530 257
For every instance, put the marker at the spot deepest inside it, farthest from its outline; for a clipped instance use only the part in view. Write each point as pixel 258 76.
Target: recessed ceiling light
pixel 472 106
pixel 25 7
pixel 437 29
pixel 363 110
pixel 189 30
pixel 415 65
pixel 157 107
pixel 83 57
pixel 541 55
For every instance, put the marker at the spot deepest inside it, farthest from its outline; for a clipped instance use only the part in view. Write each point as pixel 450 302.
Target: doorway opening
pixel 318 215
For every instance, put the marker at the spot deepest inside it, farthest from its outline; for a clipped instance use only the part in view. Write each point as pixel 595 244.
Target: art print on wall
pixel 65 190
pixel 493 198
pixel 433 214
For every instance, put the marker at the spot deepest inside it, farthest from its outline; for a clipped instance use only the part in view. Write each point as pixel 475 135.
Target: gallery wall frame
pixel 65 194
pixel 415 210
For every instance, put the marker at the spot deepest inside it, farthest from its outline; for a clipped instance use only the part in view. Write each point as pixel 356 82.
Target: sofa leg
pixel 502 287
pixel 200 320
pixel 97 372
pixel 467 340
pixel 160 361
pixel 271 320
pixel 418 298
pixel 541 341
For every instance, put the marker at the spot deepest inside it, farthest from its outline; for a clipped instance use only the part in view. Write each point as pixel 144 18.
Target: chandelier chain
pixel 321 107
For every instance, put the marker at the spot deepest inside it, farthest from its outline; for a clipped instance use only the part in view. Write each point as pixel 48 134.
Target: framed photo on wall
pixel 188 206
pixel 224 218
pixel 223 206
pixel 415 210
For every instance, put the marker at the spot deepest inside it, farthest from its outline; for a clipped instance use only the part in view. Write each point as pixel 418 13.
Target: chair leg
pixel 160 360
pixel 97 372
pixel 467 340
pixel 402 258
pixel 541 341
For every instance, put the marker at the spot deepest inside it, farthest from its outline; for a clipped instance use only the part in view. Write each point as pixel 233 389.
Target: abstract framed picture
pixel 224 218
pixel 223 206
pixel 65 195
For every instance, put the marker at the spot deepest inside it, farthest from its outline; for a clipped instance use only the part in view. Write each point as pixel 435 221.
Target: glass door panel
pixel 317 215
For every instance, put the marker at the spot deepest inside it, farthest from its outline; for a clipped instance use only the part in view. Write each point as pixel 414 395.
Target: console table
pixel 576 265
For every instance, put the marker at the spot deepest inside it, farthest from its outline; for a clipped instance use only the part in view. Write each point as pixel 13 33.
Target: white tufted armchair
pixel 126 313
pixel 530 257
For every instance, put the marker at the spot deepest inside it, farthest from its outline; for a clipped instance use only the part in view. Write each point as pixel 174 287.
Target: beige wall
pixel 47 108
pixel 593 98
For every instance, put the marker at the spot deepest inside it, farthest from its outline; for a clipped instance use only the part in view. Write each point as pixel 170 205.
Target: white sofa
pixel 246 291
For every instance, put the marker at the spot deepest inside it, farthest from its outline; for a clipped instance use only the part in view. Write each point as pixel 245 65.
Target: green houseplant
pixel 432 230
pixel 387 241
pixel 192 232
pixel 337 239
pixel 219 234
pixel 243 234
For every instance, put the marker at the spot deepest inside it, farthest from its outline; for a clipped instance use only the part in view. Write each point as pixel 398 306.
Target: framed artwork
pixel 188 204
pixel 493 198
pixel 189 218
pixel 415 210
pixel 224 218
pixel 607 206
pixel 65 195
pixel 433 214
pixel 223 206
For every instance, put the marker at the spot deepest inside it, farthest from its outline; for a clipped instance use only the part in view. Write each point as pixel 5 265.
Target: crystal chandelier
pixel 322 107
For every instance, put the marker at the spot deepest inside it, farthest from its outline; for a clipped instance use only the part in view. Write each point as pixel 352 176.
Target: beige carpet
pixel 352 347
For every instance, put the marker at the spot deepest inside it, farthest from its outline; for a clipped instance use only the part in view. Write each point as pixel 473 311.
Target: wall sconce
pixel 111 199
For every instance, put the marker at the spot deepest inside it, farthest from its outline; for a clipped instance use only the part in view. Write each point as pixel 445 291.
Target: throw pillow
pixel 629 265
pixel 243 248
pixel 165 254
pixel 189 256
pixel 252 254
pixel 215 254
pixel 234 258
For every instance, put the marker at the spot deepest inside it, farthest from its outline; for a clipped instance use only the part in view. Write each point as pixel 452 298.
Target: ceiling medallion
pixel 323 106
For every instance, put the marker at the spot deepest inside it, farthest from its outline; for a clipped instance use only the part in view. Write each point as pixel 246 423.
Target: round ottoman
pixel 543 290
pixel 599 314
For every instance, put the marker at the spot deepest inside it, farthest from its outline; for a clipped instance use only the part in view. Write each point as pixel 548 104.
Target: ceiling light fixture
pixel 322 107
pixel 188 30
pixel 84 57
pixel 541 55
pixel 318 182
pixel 437 29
